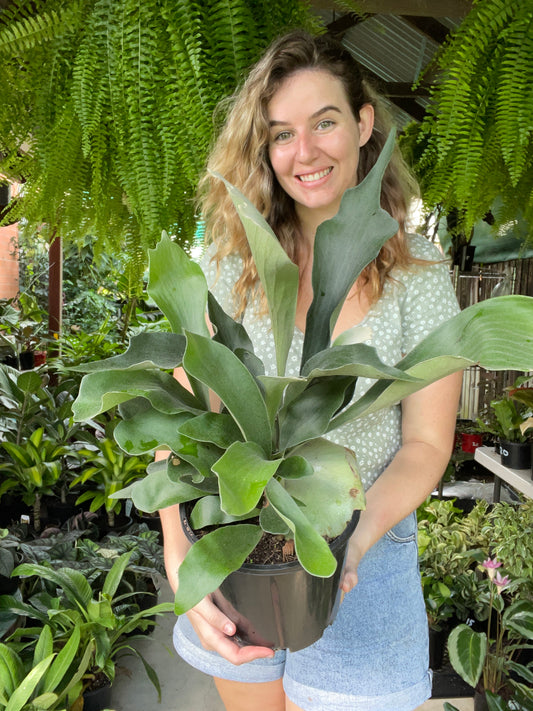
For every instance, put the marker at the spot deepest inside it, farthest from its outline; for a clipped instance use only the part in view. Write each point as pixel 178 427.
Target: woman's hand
pixel 353 558
pixel 216 633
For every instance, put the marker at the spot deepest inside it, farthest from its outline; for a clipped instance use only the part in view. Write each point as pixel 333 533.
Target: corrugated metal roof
pixel 390 47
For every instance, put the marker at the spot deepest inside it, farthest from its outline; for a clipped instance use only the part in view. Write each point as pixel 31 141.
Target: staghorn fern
pixel 477 135
pixel 115 99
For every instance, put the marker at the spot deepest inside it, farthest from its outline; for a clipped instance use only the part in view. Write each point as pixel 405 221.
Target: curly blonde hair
pixel 240 154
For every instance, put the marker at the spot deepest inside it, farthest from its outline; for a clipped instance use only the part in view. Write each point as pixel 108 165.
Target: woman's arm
pixel 428 426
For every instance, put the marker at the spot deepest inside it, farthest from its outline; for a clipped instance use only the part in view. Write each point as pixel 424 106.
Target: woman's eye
pixel 282 136
pixel 324 124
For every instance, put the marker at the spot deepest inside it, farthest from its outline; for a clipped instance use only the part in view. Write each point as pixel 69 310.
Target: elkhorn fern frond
pixel 478 131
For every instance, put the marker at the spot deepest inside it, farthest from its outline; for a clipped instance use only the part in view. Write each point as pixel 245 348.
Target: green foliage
pixel 477 137
pixel 112 102
pixel 98 622
pixel 109 469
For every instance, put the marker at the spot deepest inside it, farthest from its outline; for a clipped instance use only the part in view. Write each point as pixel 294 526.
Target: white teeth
pixel 314 176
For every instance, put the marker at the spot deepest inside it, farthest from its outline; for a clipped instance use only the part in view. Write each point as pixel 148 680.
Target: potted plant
pixel 99 621
pixel 46 680
pixel 509 414
pixel 34 467
pixel 485 659
pixel 261 467
pixel 109 469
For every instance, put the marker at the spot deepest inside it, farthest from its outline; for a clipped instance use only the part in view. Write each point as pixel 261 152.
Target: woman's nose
pixel 306 147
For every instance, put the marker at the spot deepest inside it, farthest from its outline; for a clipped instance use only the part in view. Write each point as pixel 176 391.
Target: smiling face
pixel 315 141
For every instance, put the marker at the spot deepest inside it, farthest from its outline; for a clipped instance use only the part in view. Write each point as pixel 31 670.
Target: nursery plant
pixel 486 660
pixel 109 469
pixel 46 680
pixel 99 621
pixel 261 465
pixel 33 467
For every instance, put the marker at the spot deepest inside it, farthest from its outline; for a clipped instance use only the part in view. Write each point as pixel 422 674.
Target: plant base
pixel 282 606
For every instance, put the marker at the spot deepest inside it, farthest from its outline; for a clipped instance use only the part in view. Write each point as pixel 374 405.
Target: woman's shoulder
pixel 421 248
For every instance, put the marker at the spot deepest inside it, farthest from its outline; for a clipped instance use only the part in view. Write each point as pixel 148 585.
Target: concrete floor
pixel 183 688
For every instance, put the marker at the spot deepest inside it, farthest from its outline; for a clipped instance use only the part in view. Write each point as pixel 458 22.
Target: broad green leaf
pixel 271 522
pixel 294 467
pixel 156 491
pixel 25 689
pixel 200 455
pixel 218 428
pixel 229 332
pixel 44 701
pixel 11 669
pixel 309 414
pixel 178 286
pixel 150 430
pixel 333 491
pixel 357 360
pixel 344 245
pixel 494 333
pixel 243 472
pixel 207 512
pixel 217 367
pixel 44 646
pixel 103 390
pixel 356 334
pixel 73 582
pixel 278 275
pixel 211 559
pixel 519 617
pixel 29 382
pixel 467 650
pixel 155 349
pixel 495 702
pixel 312 550
pixel 57 672
pixel 113 578
pixel 274 388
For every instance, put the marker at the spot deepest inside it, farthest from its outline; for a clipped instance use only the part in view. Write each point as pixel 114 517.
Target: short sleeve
pixel 222 278
pixel 428 297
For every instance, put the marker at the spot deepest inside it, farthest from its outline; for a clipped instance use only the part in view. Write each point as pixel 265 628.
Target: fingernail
pixel 228 629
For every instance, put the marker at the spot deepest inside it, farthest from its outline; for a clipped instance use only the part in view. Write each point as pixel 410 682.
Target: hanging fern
pixel 478 132
pixel 107 108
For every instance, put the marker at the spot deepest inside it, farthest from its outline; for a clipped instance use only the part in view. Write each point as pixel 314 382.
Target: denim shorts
pixel 374 657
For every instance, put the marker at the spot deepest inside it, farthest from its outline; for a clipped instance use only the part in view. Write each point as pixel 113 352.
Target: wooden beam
pixel 55 292
pixel 341 25
pixel 420 8
pixel 432 28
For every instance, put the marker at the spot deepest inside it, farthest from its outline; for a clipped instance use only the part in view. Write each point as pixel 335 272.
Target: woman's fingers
pixel 216 632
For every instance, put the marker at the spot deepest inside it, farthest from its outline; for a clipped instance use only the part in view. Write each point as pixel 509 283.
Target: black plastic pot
pixel 97 699
pixel 437 647
pixel 281 606
pixel 515 455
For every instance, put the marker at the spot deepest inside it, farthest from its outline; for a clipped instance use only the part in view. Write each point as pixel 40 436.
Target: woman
pixel 303 129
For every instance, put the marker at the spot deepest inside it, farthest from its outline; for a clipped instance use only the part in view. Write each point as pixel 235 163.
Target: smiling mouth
pixel 310 177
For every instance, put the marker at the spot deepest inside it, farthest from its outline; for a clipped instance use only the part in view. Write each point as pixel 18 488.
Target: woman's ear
pixel 365 123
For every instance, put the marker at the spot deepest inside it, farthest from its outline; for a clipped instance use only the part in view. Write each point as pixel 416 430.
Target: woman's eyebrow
pixel 318 113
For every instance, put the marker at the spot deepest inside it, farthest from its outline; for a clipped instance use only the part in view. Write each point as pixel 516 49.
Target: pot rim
pixel 270 568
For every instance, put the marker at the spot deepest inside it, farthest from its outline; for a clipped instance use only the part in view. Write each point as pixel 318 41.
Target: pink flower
pixel 490 566
pixel 501 582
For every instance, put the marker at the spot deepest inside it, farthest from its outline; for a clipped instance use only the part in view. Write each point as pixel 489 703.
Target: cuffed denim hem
pixel 310 699
pixel 211 663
